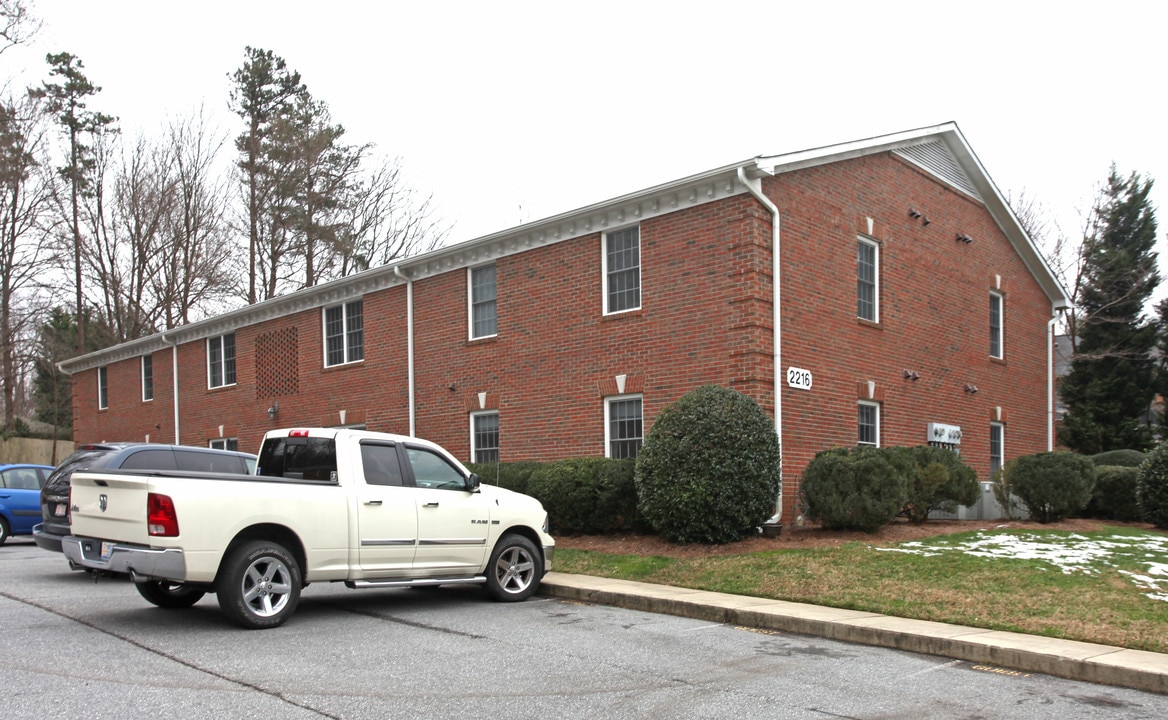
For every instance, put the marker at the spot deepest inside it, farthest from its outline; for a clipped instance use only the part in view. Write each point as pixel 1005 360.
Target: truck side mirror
pixel 472 483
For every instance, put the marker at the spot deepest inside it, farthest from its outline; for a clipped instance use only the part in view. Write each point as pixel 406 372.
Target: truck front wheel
pixel 259 585
pixel 515 569
pixel 168 594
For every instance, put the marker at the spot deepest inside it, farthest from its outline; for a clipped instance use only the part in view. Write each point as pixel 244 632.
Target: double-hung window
pixel 997 447
pixel 225 444
pixel 868 424
pixel 622 270
pixel 147 378
pixel 344 335
pixel 867 280
pixel 484 437
pixel 623 433
pixel 484 320
pixel 996 316
pixel 221 360
pixel 102 388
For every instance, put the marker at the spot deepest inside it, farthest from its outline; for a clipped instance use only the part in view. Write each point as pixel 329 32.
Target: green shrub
pixel 1114 496
pixel 1152 487
pixel 1121 458
pixel 941 481
pixel 511 475
pixel 709 468
pixel 859 488
pixel 1052 485
pixel 586 495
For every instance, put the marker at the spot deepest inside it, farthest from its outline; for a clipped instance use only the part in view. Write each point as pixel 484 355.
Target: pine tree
pixel 1110 387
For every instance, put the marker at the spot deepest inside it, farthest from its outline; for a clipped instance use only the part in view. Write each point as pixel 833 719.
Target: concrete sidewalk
pixel 1028 653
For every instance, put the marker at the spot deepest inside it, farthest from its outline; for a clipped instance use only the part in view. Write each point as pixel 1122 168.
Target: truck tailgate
pixel 110 507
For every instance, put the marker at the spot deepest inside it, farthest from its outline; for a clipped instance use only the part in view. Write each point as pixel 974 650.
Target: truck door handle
pixel 372 502
pixel 431 504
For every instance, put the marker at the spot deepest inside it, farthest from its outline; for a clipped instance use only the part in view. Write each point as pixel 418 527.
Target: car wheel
pixel 259 585
pixel 514 571
pixel 169 595
pixel 5 531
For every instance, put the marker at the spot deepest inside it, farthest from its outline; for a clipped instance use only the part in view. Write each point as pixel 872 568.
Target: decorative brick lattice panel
pixel 277 360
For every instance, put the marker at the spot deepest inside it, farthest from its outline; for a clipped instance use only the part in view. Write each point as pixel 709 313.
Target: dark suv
pixel 143 457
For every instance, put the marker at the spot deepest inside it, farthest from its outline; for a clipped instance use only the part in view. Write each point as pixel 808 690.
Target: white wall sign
pixel 799 378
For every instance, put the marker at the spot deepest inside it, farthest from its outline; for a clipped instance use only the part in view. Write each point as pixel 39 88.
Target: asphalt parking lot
pixel 76 649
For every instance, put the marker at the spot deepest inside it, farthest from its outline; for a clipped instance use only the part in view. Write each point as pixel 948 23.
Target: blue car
pixel 20 498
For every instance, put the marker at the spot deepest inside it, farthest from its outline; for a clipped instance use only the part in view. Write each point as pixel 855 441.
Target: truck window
pixel 380 463
pixel 299 458
pixel 432 471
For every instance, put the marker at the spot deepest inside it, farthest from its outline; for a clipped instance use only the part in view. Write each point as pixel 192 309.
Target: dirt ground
pixel 813 537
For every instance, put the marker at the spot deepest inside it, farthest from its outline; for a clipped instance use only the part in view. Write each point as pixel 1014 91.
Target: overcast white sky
pixel 512 111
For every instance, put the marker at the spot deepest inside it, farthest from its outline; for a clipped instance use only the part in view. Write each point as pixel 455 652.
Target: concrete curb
pixel 1102 664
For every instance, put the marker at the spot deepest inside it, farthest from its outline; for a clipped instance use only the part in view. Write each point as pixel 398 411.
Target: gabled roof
pixel 940 150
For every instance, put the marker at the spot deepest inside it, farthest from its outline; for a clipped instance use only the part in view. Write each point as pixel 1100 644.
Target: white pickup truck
pixel 371 510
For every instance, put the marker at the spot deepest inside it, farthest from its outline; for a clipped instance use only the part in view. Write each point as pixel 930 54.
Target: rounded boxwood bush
pixel 586 495
pixel 1120 458
pixel 708 471
pixel 860 488
pixel 1052 485
pixel 1114 496
pixel 1152 487
pixel 940 481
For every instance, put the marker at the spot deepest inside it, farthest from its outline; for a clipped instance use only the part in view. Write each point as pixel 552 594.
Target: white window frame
pixel 608 439
pixel 474 448
pixel 222 360
pixel 861 240
pixel 147 396
pixel 1000 334
pixel 1001 458
pixel 605 297
pixel 103 388
pixel 222 444
pixel 345 331
pixel 471 303
pixel 876 407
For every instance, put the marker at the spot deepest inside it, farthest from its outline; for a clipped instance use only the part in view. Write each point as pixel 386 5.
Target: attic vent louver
pixel 937 159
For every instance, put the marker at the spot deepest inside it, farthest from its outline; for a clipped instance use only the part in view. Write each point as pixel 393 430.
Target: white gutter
pixel 174 377
pixel 1050 381
pixel 776 304
pixel 409 340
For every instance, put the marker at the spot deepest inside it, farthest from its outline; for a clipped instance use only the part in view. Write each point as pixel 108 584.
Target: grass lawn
pixel 1109 586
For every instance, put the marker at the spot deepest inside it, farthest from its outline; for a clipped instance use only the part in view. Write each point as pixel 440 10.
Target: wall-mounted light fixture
pixel 971 389
pixel 911 375
pixel 273 409
pixel 925 220
pixel 963 238
pixel 914 213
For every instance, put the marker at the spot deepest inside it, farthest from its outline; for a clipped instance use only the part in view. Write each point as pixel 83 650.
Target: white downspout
pixel 409 340
pixel 1050 381
pixel 174 376
pixel 776 304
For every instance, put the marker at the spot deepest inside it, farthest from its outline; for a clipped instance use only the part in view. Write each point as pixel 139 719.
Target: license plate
pixel 107 549
pixel 60 510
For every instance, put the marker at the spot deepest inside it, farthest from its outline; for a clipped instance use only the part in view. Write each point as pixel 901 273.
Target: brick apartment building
pixel 910 307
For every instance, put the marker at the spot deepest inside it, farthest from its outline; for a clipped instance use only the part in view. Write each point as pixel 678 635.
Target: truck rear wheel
pixel 515 569
pixel 259 585
pixel 169 595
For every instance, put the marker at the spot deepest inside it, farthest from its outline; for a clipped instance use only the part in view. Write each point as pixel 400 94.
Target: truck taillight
pixel 161 518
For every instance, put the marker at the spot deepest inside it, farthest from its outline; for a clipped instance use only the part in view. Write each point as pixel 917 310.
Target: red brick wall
pixel 706 317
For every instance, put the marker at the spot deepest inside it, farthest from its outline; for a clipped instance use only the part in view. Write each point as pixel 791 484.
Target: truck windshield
pixel 299 458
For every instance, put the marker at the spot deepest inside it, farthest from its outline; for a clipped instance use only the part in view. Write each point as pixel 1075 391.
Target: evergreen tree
pixel 66 99
pixel 1110 387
